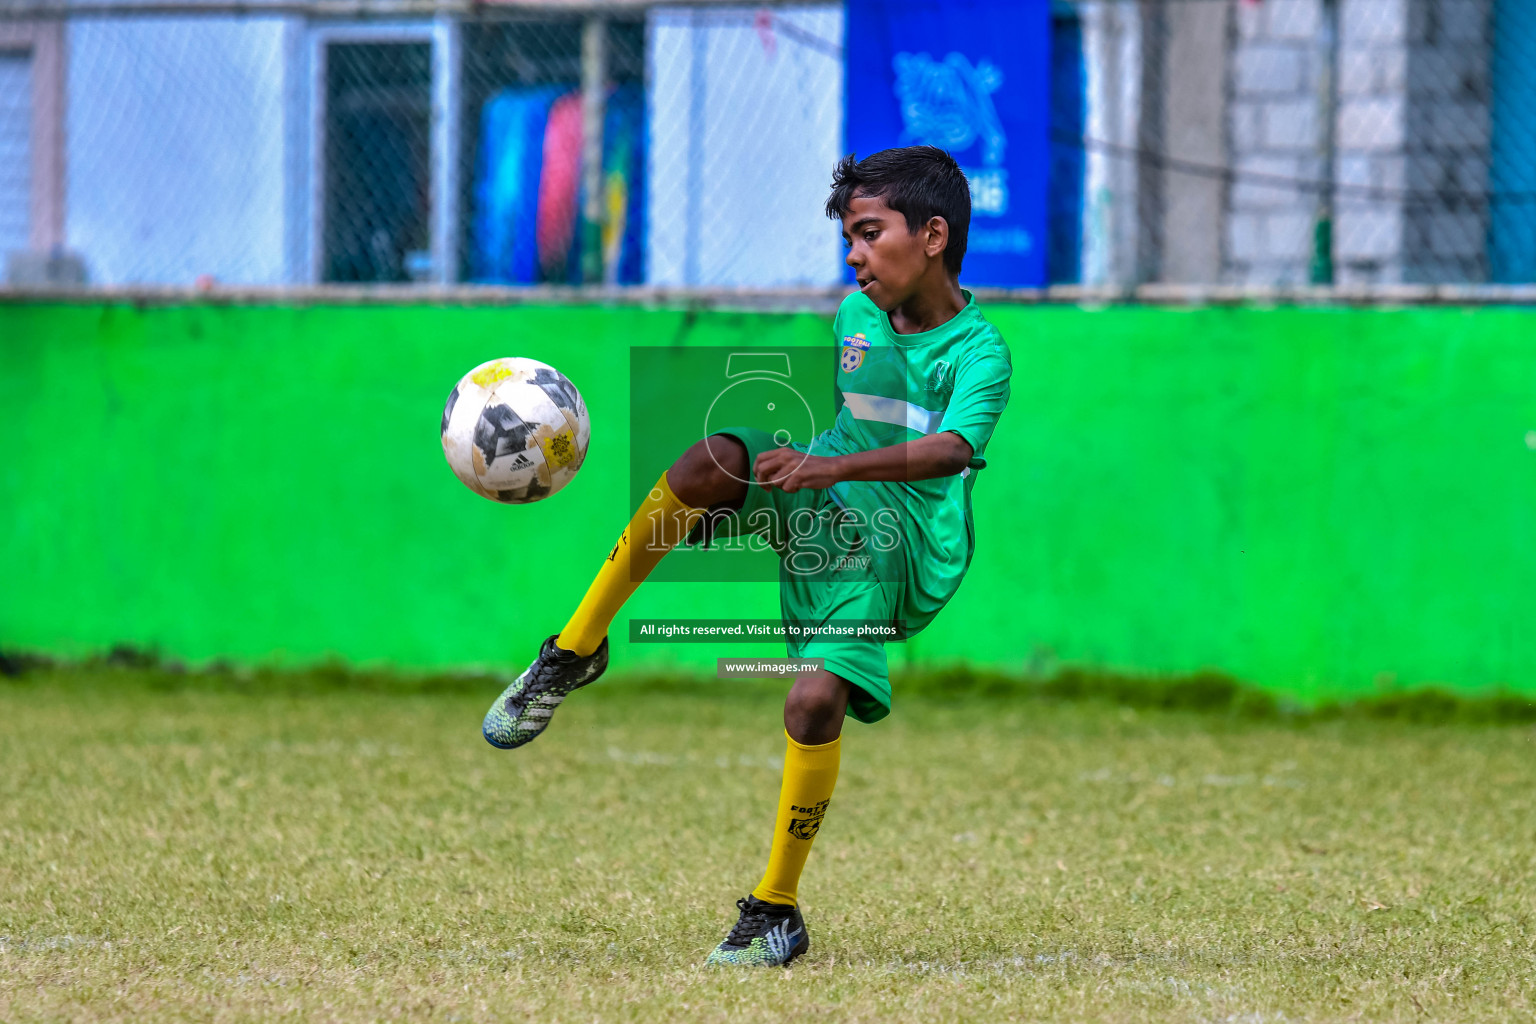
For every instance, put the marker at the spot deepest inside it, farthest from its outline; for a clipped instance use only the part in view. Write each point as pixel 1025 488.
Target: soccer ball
pixel 515 430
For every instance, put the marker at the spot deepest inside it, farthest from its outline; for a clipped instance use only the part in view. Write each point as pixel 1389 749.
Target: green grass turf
pixel 206 854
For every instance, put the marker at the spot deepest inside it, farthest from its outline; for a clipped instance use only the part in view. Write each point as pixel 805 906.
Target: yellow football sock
pixel 809 775
pixel 659 524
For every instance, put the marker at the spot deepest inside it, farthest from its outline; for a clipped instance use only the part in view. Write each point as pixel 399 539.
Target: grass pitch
pixel 204 854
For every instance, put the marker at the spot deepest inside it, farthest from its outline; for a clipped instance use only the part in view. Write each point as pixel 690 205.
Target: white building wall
pixel 15 152
pixel 760 113
pixel 175 142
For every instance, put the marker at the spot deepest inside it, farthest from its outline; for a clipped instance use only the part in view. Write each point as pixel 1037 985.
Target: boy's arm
pixel 923 458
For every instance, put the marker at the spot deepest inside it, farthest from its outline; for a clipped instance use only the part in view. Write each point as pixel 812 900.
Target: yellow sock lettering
pixel 661 522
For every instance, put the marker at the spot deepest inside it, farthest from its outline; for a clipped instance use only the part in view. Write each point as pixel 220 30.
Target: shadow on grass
pixel 1207 692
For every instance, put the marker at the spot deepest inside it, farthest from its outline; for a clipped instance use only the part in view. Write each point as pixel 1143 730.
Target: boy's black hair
pixel 918 181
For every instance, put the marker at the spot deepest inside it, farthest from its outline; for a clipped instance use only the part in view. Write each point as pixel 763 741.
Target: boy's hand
pixel 790 470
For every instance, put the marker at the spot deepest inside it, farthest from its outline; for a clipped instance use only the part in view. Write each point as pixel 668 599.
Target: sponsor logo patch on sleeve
pixel 854 347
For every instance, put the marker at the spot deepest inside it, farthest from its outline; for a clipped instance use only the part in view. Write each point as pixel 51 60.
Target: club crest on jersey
pixel 941 380
pixel 854 347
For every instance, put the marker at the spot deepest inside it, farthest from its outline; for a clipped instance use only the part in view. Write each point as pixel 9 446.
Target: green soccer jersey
pixel 897 387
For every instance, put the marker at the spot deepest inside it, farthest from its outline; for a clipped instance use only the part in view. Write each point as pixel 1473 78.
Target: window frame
pixel 43 43
pixel 308 165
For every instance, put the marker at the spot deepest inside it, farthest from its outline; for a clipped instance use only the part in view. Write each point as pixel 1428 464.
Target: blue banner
pixel 972 77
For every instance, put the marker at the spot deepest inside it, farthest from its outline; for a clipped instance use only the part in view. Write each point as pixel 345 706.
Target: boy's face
pixel 888 260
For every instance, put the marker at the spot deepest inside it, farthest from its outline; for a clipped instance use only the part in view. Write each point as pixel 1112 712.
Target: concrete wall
pixel 1308 499
pixel 1277 67
pixel 1449 128
pixel 1192 90
pixel 1414 124
pixel 1411 135
pixel 1372 126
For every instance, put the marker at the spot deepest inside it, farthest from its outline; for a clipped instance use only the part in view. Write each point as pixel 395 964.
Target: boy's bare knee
pixel 814 709
pixel 711 472
pixel 728 456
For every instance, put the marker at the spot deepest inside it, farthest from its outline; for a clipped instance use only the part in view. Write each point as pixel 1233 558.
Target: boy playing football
pixel 923 378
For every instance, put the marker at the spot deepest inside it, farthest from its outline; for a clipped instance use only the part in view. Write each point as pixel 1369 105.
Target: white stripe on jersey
pixel 894 411
pixel 897 412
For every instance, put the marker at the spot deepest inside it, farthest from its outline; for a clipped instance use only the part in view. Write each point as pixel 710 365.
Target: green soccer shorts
pixel 827 571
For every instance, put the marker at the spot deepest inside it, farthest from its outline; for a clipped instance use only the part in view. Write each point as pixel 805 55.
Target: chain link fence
pixel 1244 143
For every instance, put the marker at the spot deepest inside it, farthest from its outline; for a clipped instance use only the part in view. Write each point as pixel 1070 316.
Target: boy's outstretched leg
pixel 711 472
pixel 770 930
pixel 701 477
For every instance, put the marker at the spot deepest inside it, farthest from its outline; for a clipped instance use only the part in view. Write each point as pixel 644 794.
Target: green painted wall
pixel 1308 499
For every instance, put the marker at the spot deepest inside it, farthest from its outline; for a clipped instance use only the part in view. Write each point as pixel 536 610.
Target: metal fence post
pixel 594 83
pixel 446 65
pixel 1321 270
